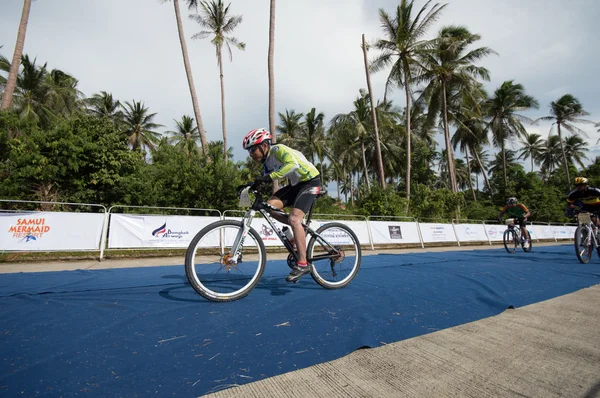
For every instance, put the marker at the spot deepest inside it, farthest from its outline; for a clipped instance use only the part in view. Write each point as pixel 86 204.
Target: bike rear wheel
pixel 510 240
pixel 339 271
pixel 207 267
pixel 583 244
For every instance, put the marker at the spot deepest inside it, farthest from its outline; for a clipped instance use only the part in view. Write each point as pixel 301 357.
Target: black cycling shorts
pixel 300 196
pixel 521 221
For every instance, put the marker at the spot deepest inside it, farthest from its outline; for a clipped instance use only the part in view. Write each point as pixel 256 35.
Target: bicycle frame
pixel 264 208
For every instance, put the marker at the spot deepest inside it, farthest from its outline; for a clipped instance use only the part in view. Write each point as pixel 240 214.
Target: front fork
pixel 238 243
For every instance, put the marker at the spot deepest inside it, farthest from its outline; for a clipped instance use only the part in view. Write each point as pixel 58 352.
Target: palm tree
pixel 220 24
pixel 380 171
pixel 62 95
pixel 344 158
pixel 448 64
pixel 479 166
pixel 532 146
pixel 549 156
pixel 11 81
pixel 502 161
pixel 291 126
pixel 358 124
pixel 4 67
pixel 138 124
pixel 575 149
pixel 466 137
pixel 185 136
pixel 311 140
pixel 104 105
pixel 30 93
pixel 400 48
pixel 191 4
pixel 565 113
pixel 502 110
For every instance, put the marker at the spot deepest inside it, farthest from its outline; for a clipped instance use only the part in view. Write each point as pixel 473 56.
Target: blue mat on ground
pixel 144 331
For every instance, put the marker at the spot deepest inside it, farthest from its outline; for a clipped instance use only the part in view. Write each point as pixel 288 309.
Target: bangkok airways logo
pixel 160 231
pixel 163 232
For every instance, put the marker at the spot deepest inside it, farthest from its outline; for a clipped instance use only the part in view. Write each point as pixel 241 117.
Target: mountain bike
pixel 586 237
pixel 227 258
pixel 512 237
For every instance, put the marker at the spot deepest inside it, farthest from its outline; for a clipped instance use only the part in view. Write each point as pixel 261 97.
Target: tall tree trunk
pixel 469 170
pixel 346 181
pixel 408 138
pixel 362 147
pixel 11 81
pixel 531 157
pixel 374 115
pixel 562 149
pixel 271 52
pixel 451 168
pixel 223 125
pixel 352 189
pixel 504 165
pixel 188 71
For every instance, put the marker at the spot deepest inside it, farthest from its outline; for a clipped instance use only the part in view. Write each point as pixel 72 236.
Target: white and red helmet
pixel 255 137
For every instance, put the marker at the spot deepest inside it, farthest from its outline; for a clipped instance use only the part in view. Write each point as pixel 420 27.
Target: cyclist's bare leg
pixel 295 220
pixel 525 233
pixel 276 202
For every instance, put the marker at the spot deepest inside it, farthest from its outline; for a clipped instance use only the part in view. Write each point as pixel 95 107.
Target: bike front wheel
pixel 209 266
pixel 335 254
pixel 510 240
pixel 583 244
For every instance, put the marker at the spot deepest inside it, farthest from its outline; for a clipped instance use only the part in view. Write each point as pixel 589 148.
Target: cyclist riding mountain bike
pixel 282 161
pixel 520 212
pixel 585 198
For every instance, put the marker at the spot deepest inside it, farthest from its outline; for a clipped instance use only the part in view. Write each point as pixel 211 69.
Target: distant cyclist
pixel 584 197
pixel 520 213
pixel 282 161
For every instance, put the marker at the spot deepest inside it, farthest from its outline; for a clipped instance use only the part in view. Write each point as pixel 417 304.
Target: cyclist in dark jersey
pixel 585 198
pixel 520 212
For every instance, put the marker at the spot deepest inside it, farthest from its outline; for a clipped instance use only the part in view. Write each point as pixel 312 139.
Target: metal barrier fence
pixel 144 228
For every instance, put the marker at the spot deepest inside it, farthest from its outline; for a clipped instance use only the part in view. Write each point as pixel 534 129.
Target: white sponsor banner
pixel 495 232
pixel 432 232
pixel 128 231
pixel 470 232
pixel 50 231
pixel 359 228
pixel 389 232
pixel 541 231
pixel 564 231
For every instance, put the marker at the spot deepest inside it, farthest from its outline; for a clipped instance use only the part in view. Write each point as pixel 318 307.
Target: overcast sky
pixel 130 48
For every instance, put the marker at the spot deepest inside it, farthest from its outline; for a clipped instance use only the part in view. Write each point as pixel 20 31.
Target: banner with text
pixel 128 231
pixel 470 232
pixel 432 232
pixel 50 231
pixel 564 231
pixel 541 231
pixel 359 228
pixel 495 232
pixel 390 232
